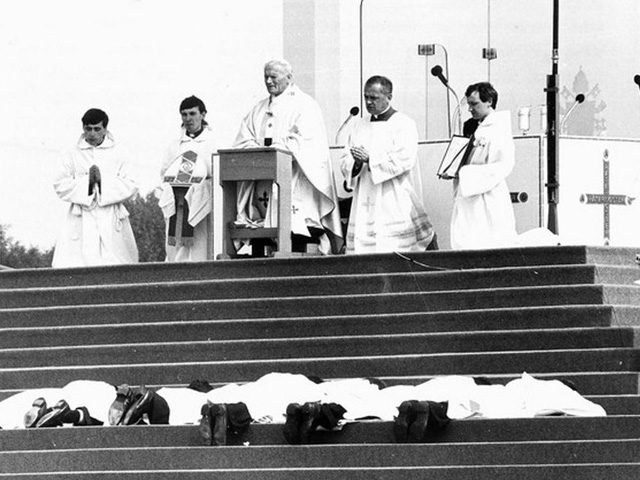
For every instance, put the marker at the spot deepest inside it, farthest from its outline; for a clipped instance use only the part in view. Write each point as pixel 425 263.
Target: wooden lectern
pixel 261 163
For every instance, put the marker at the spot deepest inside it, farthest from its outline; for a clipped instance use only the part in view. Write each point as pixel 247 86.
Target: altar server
pixel 93 179
pixel 482 213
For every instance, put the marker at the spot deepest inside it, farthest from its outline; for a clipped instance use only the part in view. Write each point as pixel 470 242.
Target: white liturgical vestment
pixel 198 196
pixel 386 213
pixel 267 398
pixel 97 229
pixel 482 212
pixel 293 121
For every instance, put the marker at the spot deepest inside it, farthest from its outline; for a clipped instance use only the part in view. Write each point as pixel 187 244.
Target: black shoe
pixel 84 419
pixel 310 416
pixel 220 423
pixel 206 425
pixel 120 405
pixel 291 429
pixel 141 406
pixel 35 413
pixel 54 417
pixel 418 427
pixel 406 416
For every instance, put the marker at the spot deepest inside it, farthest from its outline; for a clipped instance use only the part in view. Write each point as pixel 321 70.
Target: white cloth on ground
pixel 96 396
pixel 268 397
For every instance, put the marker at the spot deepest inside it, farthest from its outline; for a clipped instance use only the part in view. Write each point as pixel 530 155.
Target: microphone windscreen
pixel 436 71
pixel 636 79
pixel 354 111
pixel 580 98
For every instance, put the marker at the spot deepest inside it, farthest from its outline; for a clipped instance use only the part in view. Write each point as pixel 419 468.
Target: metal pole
pixel 553 123
pixel 446 67
pixel 488 39
pixel 361 61
pixel 426 97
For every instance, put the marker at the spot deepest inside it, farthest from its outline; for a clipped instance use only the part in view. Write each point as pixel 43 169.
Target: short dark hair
pixel 191 102
pixel 485 91
pixel 94 116
pixel 385 83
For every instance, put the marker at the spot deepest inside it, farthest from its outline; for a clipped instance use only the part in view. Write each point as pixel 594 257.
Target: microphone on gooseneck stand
pixel 636 80
pixel 579 99
pixel 352 113
pixel 437 72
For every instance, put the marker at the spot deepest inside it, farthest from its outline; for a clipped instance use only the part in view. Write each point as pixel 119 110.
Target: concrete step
pixel 331 265
pixel 193 350
pixel 625 471
pixel 547 430
pixel 385 324
pixel 618 404
pixel 303 458
pixel 331 305
pixel 318 285
pixel 534 362
pixel 120 322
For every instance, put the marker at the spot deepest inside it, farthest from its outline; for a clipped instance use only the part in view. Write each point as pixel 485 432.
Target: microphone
pixel 636 80
pixel 437 72
pixel 578 100
pixel 352 113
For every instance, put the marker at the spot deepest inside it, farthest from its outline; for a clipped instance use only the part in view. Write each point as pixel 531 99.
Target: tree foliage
pixel 147 223
pixel 15 255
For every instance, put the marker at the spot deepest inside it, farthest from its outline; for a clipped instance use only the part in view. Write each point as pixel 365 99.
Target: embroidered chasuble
pixel 291 121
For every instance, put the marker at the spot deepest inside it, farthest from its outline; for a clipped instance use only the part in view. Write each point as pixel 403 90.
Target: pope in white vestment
pixel 290 119
pixel 482 212
pixel 378 165
pixel 97 229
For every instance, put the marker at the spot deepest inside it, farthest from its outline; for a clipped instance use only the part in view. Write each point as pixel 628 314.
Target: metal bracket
pixel 427 49
pixel 489 53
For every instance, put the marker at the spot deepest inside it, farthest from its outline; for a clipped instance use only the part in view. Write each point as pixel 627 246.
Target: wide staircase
pixel 561 312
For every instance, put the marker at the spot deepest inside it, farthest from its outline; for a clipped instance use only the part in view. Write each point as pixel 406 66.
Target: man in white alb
pixel 482 211
pixel 93 178
pixel 378 164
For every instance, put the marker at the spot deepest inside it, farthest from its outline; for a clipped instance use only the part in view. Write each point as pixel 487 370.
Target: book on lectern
pixel 453 155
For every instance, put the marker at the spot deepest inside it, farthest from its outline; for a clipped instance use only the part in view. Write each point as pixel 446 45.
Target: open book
pixel 450 163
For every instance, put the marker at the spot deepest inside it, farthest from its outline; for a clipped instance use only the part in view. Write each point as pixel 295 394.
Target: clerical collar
pixel 384 116
pixel 196 134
